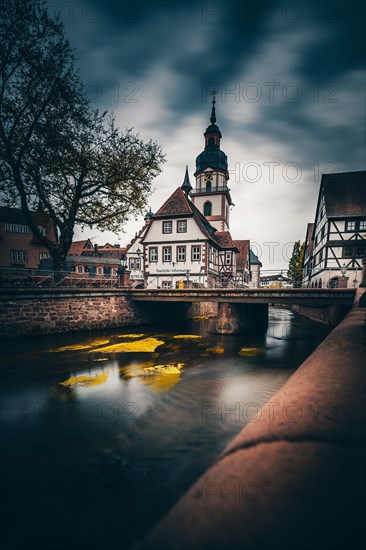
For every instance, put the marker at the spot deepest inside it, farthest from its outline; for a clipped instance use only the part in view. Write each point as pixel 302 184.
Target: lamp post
pixel 343 281
pixel 121 271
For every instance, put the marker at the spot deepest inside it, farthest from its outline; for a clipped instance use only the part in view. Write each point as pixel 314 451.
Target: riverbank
pixel 295 478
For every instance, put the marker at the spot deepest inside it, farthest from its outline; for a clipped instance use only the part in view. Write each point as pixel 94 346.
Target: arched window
pixel 208 186
pixel 207 208
pixel 320 283
pixel 211 141
pixel 41 229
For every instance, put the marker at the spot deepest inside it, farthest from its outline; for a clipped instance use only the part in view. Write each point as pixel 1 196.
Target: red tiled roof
pixel 224 240
pixel 345 193
pixel 242 259
pixel 179 205
pixel 77 247
pixel 176 205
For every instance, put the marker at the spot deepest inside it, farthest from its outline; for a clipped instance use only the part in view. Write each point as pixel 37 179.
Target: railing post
pixel 363 280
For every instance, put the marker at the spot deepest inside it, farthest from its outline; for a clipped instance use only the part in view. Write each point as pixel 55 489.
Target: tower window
pixel 211 141
pixel 207 208
pixel 208 186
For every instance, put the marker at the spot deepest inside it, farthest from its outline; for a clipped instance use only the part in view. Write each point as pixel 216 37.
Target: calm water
pixel 95 466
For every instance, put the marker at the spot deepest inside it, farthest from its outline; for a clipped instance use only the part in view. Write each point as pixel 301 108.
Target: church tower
pixel 212 195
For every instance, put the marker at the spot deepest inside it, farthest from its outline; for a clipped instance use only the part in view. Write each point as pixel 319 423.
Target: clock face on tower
pixel 208 176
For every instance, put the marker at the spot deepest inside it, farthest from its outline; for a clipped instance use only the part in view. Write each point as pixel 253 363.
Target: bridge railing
pixel 40 278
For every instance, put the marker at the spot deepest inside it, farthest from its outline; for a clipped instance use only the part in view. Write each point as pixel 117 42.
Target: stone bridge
pixel 242 308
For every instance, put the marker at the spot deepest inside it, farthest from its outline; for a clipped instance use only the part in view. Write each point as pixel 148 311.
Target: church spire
pixel 213 112
pixel 186 186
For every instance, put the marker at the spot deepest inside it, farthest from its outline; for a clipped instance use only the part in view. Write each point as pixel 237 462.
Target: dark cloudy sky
pixel 290 105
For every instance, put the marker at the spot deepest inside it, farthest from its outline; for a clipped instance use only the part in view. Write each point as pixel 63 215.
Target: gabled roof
pixel 242 258
pixel 176 205
pixel 179 205
pixel 344 193
pixel 139 235
pixel 77 247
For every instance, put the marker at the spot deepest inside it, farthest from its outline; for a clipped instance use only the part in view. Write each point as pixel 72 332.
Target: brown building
pixel 18 246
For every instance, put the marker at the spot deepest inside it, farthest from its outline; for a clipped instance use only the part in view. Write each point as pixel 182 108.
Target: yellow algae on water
pixel 149 369
pixel 73 347
pixel 77 381
pixel 130 335
pixel 86 345
pixel 166 370
pixel 187 336
pixel 146 345
pixel 251 352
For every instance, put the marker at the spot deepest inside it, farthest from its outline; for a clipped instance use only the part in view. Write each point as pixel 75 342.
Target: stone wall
pixel 204 310
pixel 328 315
pixel 43 311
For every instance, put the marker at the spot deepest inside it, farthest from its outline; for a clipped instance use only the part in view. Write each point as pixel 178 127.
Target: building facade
pixel 187 242
pixel 336 242
pixel 19 248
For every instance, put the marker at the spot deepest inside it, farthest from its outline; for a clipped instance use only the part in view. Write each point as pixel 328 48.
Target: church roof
pixel 344 193
pixel 242 257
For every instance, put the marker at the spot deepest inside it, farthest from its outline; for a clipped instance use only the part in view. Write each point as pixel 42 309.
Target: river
pixel 94 452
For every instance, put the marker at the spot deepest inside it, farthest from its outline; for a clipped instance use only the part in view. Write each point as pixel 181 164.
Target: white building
pixel 188 242
pixel 336 242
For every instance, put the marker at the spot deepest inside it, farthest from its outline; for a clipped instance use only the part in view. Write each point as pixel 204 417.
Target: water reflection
pixel 92 465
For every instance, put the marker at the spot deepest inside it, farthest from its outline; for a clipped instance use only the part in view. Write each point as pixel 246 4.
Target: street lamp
pixel 344 270
pixel 121 270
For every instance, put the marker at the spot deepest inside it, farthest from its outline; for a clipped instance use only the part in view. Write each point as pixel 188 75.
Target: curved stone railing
pixel 295 478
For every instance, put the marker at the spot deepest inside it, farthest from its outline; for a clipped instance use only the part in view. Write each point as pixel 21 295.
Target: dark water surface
pixel 95 466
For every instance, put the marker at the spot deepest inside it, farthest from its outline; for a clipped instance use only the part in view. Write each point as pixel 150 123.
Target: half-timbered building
pixel 336 242
pixel 188 242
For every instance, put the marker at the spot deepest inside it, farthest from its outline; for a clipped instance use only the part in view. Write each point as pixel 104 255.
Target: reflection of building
pixel 18 245
pixel 336 242
pixel 187 242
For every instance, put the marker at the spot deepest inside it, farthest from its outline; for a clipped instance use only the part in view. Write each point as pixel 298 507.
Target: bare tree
pixel 56 154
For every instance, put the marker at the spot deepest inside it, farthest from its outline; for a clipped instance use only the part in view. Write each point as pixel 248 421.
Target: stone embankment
pixel 294 477
pixel 42 311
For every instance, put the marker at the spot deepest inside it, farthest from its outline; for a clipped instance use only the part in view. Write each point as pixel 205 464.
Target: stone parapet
pixel 294 477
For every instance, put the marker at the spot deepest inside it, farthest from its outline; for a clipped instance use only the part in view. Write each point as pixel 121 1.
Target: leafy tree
pixel 294 272
pixel 57 155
